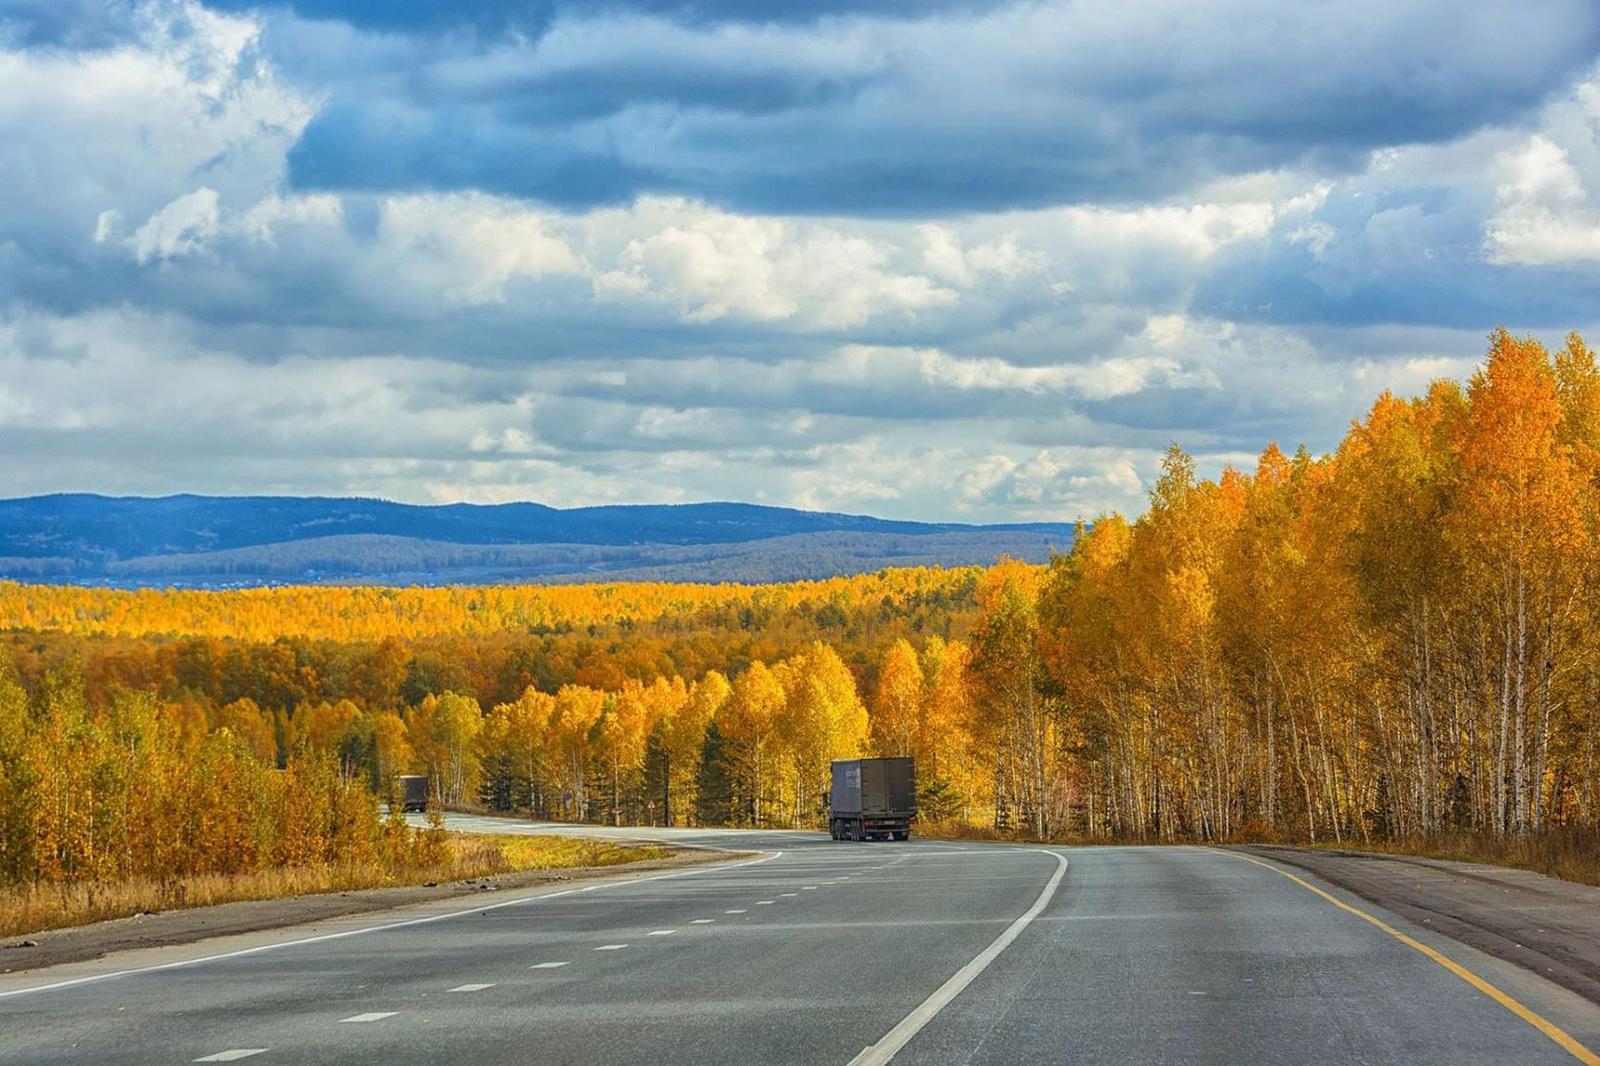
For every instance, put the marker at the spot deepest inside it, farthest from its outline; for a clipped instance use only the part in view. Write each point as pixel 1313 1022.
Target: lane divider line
pixel 546 965
pixel 370 1016
pixel 472 988
pixel 1566 1041
pixel 386 926
pixel 232 1054
pixel 898 1037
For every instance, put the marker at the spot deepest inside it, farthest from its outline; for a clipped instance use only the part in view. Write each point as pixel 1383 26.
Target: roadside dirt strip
pixel 79 943
pixel 1548 926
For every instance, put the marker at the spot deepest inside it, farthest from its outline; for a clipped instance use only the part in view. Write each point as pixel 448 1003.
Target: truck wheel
pixel 902 834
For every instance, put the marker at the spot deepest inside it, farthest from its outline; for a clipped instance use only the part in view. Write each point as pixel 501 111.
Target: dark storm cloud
pixel 872 111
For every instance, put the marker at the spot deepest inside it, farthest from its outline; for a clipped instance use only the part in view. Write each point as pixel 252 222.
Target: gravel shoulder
pixel 1549 926
pixel 85 942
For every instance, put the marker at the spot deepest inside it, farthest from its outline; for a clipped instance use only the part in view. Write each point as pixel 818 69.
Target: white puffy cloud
pixel 179 228
pixel 468 247
pixel 711 264
pixel 186 116
pixel 1544 214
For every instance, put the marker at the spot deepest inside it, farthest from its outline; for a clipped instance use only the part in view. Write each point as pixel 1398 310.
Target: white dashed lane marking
pixel 232 1054
pixel 661 932
pixel 546 965
pixel 737 910
pixel 472 988
pixel 701 921
pixel 808 888
pixel 611 947
pixel 372 1016
pixel 764 902
pixel 785 895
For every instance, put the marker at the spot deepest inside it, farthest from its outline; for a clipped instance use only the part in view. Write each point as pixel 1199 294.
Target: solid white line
pixel 472 988
pixel 373 1016
pixel 546 965
pixel 911 1024
pixel 232 1054
pixel 611 947
pixel 372 929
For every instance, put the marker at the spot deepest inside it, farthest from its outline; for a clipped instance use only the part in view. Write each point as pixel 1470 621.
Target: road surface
pixel 823 952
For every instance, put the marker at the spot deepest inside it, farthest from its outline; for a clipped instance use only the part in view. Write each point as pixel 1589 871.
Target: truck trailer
pixel 872 799
pixel 413 792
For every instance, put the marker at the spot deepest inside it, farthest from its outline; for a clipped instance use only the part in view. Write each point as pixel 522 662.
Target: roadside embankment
pixel 77 943
pixel 1549 926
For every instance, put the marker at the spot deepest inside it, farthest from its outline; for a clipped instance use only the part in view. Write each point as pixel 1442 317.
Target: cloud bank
pixel 961 260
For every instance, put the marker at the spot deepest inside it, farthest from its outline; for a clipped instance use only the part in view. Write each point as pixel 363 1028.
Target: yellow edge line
pixel 1544 1025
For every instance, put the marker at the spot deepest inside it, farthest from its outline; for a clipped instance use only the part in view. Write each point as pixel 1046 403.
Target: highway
pixel 823 952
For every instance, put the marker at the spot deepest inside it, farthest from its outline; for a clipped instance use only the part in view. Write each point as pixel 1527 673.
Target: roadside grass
pixel 36 908
pixel 1562 853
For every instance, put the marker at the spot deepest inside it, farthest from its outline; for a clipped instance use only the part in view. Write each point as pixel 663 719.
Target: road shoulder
pixel 22 956
pixel 1542 924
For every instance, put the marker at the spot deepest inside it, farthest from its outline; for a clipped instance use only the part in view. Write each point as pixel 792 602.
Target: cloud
pixel 179 113
pixel 179 228
pixel 468 248
pixel 975 259
pixel 1543 212
pixel 877 111
pixel 710 264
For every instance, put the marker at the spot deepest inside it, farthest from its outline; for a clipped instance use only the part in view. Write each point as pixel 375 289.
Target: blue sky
pixel 961 260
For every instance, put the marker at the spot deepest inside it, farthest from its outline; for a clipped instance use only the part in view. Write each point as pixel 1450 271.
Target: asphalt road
pixel 824 952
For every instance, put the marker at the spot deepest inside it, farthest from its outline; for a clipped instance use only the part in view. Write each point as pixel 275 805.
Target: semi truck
pixel 872 799
pixel 413 792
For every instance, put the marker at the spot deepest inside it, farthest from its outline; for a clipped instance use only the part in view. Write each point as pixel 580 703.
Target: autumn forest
pixel 1390 642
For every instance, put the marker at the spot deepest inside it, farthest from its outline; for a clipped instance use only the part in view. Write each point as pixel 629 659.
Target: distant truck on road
pixel 413 792
pixel 872 799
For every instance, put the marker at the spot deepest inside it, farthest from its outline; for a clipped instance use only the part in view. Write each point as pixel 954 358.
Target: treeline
pixel 286 672
pixel 132 792
pixel 1393 641
pixel 366 614
pixel 751 751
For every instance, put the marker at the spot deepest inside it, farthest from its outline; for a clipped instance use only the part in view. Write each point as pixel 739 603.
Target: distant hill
pixel 250 540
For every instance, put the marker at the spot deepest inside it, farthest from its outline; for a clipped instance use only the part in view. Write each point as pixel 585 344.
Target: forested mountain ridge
pixel 204 540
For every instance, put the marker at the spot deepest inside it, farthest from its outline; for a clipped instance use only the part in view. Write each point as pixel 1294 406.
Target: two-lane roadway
pixel 824 952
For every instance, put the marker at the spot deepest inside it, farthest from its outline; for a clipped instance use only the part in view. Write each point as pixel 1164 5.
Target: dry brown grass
pixel 52 906
pixel 1568 854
